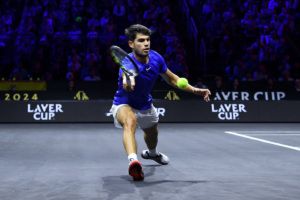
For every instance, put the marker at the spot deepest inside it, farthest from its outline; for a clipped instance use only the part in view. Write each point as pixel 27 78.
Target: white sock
pixel 132 157
pixel 153 152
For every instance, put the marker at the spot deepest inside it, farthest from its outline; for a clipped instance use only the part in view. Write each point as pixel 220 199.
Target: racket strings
pixel 121 58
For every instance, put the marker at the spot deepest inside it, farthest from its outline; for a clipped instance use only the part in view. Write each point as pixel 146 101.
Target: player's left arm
pixel 172 79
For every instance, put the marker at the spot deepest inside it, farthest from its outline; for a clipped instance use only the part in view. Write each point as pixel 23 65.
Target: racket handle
pixel 129 81
pixel 132 81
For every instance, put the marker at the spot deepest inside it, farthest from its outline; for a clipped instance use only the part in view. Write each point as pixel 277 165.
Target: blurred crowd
pixel 245 40
pixel 250 40
pixel 69 39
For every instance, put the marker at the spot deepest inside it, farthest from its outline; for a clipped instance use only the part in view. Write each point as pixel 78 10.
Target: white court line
pixel 283 132
pixel 274 134
pixel 262 140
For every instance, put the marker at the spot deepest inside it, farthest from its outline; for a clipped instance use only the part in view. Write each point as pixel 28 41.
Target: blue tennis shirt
pixel 140 98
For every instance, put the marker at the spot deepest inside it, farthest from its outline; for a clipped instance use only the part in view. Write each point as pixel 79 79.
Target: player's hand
pixel 202 92
pixel 128 83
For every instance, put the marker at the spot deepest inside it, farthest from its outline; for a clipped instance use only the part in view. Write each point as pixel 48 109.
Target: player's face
pixel 141 45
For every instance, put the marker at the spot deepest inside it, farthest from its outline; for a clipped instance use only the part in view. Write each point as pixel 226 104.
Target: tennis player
pixel 132 105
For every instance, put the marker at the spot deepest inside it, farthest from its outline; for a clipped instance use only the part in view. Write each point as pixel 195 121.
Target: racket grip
pixel 132 81
pixel 128 81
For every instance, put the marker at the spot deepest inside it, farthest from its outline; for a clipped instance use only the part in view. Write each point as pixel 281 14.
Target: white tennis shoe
pixel 159 158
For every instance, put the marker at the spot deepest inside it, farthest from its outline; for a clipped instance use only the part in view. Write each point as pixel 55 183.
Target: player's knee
pixel 130 122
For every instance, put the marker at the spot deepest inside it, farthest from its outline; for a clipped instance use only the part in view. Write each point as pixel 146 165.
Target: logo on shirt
pixel 148 68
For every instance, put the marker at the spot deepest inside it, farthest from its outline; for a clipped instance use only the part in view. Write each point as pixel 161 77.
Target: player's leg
pixel 127 119
pixel 148 121
pixel 151 137
pixel 151 140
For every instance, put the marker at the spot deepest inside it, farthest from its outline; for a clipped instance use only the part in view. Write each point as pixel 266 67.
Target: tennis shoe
pixel 136 171
pixel 159 158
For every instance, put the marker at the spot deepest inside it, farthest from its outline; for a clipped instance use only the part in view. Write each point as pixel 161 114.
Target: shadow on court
pixel 123 186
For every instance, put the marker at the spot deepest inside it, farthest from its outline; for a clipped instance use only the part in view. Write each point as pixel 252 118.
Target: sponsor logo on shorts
pixel 109 114
pixel 160 112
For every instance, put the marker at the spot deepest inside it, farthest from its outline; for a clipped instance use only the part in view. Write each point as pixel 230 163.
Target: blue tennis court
pixel 207 161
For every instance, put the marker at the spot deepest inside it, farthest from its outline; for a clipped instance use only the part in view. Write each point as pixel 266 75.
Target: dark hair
pixel 132 31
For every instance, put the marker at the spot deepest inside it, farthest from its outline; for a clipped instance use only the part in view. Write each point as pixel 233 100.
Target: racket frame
pixel 125 71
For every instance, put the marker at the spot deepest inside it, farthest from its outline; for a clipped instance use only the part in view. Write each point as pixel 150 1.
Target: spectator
pixel 236 85
pixel 200 83
pixel 119 12
pixel 105 19
pixel 219 84
pixel 20 72
pixel 93 75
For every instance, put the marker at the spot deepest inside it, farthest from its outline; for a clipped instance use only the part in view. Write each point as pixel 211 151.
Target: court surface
pixel 208 161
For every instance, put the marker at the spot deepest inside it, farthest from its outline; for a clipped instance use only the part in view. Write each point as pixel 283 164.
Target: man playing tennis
pixel 132 104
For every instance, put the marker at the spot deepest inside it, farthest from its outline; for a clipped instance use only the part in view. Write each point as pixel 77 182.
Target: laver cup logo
pixel 44 112
pixel 228 111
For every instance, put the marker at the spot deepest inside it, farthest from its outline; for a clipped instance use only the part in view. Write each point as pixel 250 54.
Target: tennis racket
pixel 124 61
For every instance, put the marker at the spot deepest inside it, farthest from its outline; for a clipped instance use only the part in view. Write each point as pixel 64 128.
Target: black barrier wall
pixel 169 111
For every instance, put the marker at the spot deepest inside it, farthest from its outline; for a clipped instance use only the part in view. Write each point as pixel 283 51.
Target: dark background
pixel 216 44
